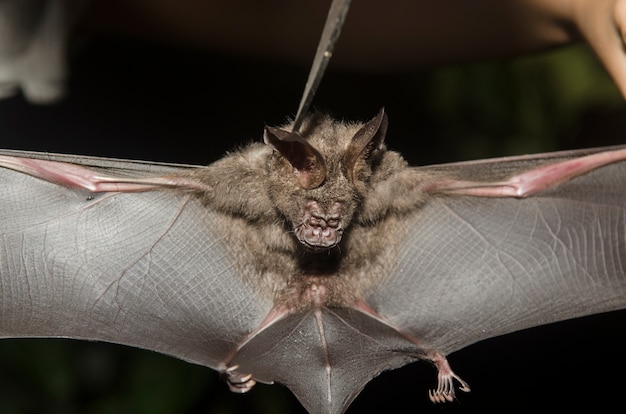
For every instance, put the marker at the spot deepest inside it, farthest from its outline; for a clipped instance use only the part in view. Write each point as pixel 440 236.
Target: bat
pixel 316 260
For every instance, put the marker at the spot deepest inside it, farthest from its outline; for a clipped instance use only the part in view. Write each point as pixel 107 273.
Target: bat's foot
pixel 445 381
pixel 238 382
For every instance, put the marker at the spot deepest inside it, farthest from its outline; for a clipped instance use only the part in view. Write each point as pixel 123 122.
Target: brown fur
pixel 261 194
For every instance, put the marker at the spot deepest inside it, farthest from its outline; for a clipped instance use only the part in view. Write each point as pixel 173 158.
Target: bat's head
pixel 318 178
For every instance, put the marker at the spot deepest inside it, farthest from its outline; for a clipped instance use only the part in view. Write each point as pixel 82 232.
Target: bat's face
pixel 317 216
pixel 317 183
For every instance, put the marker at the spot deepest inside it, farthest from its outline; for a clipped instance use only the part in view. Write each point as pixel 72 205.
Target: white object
pixel 33 39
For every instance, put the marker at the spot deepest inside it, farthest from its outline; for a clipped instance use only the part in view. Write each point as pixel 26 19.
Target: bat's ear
pixel 369 139
pixel 308 164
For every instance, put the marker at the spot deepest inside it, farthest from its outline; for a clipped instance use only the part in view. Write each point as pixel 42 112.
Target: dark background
pixel 134 99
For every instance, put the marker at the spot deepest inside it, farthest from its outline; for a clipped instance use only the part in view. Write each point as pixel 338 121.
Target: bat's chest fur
pixel 318 279
pixel 298 277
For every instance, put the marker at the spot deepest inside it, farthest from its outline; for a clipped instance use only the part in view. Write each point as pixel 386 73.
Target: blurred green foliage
pixel 521 105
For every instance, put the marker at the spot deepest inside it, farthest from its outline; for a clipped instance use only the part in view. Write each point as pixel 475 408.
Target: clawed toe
pixel 437 396
pixel 238 382
pixel 445 382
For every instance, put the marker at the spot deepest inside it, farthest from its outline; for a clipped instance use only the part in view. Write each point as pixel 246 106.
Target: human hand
pixel 602 23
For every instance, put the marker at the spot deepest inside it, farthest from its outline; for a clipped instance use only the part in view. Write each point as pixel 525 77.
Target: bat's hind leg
pixel 445 381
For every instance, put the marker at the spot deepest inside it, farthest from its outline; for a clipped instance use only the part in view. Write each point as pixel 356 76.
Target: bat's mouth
pixel 319 237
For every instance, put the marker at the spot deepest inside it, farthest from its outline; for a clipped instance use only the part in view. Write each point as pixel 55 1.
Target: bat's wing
pixel 154 270
pixel 147 269
pixel 474 267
